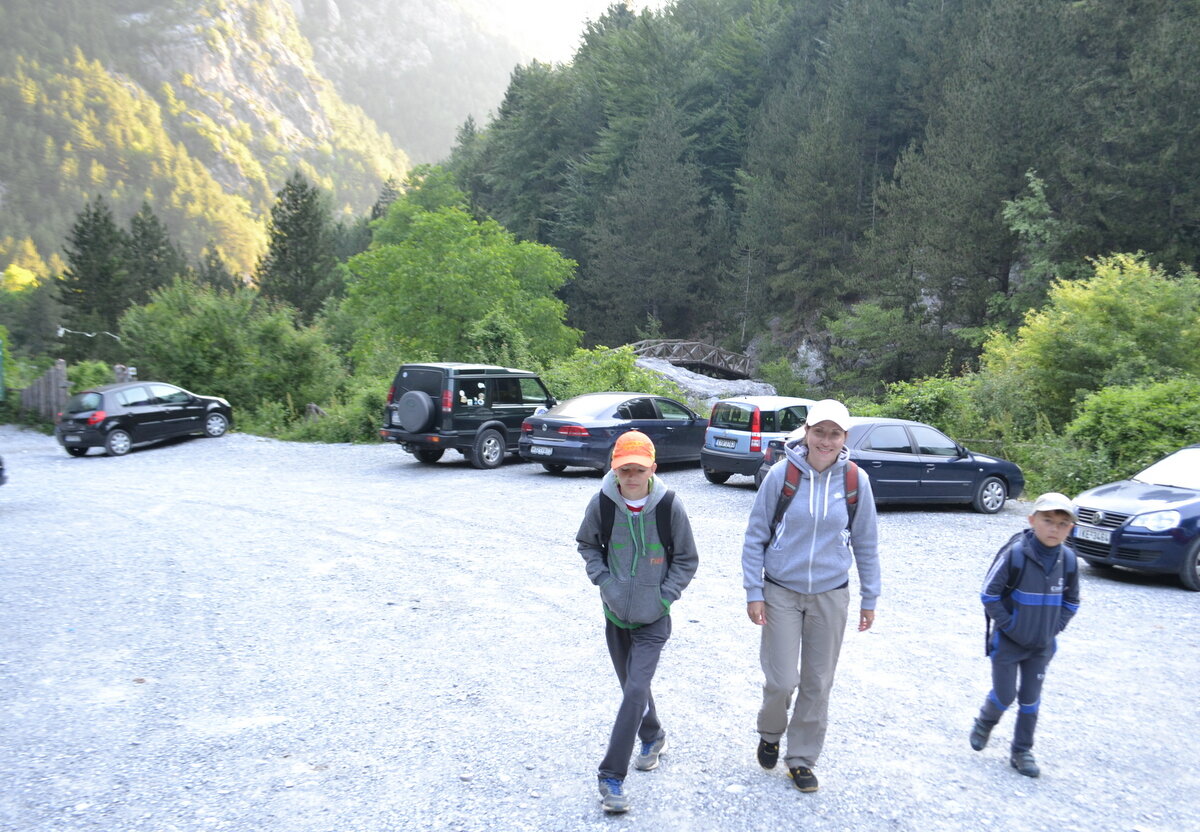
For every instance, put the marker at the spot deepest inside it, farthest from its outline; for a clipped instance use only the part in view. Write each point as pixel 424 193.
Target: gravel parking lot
pixel 246 634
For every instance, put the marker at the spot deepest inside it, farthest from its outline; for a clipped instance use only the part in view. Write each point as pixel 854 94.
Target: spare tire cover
pixel 416 411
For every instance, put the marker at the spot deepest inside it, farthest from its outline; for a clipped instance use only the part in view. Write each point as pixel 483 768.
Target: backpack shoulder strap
pixel 1016 567
pixel 791 482
pixel 662 517
pixel 608 515
pixel 851 491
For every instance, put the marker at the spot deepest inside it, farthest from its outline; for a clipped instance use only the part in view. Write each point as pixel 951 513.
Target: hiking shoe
pixel 803 778
pixel 768 754
pixel 612 795
pixel 651 751
pixel 1023 762
pixel 980 734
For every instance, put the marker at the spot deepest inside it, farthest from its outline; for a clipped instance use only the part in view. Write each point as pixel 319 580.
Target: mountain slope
pixel 419 67
pixel 201 108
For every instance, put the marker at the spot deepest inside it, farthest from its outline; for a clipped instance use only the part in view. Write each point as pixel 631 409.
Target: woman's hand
pixel 865 619
pixel 757 611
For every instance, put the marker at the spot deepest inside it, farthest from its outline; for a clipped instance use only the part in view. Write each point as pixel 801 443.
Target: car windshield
pixel 1180 470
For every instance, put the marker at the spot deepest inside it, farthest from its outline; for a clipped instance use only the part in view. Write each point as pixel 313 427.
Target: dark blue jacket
pixel 1045 598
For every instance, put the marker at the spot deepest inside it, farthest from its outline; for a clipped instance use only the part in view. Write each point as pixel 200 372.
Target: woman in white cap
pixel 813 515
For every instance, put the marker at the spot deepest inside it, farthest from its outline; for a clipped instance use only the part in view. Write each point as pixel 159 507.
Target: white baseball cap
pixel 829 410
pixel 1053 501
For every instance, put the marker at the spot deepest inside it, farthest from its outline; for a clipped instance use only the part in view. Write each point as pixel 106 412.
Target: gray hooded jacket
pixel 811 550
pixel 636 584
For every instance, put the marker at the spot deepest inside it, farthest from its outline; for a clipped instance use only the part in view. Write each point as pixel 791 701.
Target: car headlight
pixel 1157 521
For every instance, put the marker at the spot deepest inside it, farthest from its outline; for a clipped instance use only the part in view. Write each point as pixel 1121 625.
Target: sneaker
pixel 612 795
pixel 651 751
pixel 980 734
pixel 803 778
pixel 768 754
pixel 1023 762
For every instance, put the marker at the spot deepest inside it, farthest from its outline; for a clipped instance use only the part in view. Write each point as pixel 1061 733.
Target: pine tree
pixel 95 285
pixel 299 267
pixel 646 265
pixel 151 258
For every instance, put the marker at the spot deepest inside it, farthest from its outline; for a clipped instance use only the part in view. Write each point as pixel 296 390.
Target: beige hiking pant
pixel 801 641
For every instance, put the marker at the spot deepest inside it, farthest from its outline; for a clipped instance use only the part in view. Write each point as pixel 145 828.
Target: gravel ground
pixel 249 634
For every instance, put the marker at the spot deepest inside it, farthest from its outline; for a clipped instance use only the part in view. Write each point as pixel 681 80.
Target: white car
pixel 740 428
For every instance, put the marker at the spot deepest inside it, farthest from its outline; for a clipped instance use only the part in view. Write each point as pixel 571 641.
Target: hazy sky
pixel 550 29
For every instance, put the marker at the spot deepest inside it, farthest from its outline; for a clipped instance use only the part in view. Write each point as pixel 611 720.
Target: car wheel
pixel 488 450
pixel 77 451
pixel 554 467
pixel 990 496
pixel 1189 575
pixel 215 425
pixel 716 477
pixel 416 410
pixel 118 442
pixel 429 454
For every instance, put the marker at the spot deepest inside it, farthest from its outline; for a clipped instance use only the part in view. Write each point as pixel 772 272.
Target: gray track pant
pixel 801 642
pixel 634 656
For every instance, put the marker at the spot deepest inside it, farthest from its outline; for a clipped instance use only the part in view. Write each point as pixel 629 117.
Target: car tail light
pixel 756 431
pixel 97 417
pixel 526 427
pixel 391 394
pixel 574 430
pixel 447 401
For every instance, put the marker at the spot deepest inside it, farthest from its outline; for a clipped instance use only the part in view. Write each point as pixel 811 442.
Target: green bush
pixel 353 417
pixel 1055 463
pixel 1128 324
pixel 603 369
pixel 941 401
pixel 232 345
pixel 85 374
pixel 779 374
pixel 1130 427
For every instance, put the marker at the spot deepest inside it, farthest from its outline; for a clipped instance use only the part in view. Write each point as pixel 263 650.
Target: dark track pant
pixel 1017 673
pixel 635 657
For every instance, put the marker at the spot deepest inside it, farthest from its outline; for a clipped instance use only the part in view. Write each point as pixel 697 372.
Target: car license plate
pixel 1095 535
pixel 540 450
pixel 725 443
pixel 70 438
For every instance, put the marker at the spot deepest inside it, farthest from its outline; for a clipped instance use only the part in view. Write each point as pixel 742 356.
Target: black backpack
pixel 662 518
pixel 1016 571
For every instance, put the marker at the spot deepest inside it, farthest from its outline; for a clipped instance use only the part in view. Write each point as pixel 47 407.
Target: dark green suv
pixel 476 409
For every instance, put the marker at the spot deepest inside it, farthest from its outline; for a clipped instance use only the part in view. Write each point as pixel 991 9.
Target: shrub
pixel 85 374
pixel 603 369
pixel 1130 427
pixel 353 417
pixel 231 345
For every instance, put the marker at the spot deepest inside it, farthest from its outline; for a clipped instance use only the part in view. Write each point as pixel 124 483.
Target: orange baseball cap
pixel 633 446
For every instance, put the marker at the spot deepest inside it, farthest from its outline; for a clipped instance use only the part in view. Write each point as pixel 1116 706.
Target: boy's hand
pixel 865 619
pixel 757 611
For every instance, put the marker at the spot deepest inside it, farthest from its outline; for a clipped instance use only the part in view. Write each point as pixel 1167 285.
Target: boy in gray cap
pixel 1031 592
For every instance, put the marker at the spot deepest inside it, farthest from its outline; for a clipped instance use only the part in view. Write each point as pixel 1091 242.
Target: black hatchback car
pixel 118 416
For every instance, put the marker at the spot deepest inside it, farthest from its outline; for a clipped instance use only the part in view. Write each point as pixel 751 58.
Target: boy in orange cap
pixel 641 568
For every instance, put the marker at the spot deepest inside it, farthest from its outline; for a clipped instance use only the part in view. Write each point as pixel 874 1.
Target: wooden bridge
pixel 697 357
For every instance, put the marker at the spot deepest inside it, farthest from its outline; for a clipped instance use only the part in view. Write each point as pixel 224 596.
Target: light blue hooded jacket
pixel 812 549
